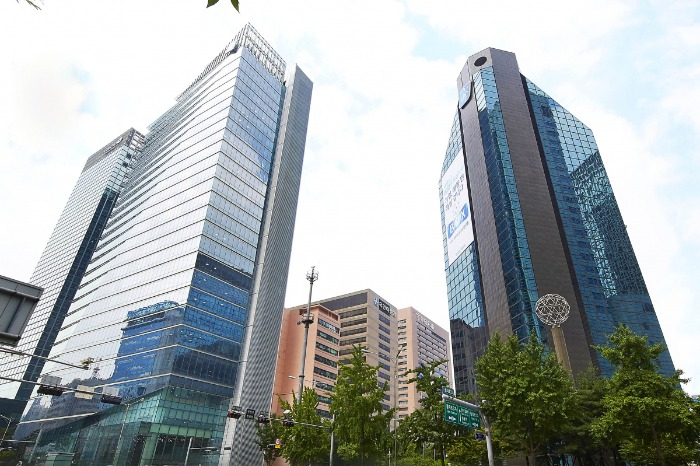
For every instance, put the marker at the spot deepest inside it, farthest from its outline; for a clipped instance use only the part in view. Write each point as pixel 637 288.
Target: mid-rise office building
pixel 528 210
pixel 367 320
pixel 321 361
pixel 65 259
pixel 424 342
pixel 182 301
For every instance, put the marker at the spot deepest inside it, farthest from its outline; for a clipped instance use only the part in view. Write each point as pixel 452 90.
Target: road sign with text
pixel 462 416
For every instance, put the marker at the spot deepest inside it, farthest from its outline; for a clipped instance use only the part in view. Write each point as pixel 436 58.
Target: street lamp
pixel 311 276
pixel 9 421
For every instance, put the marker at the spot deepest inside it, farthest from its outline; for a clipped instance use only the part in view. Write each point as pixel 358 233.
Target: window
pixel 356 312
pixel 353 341
pixel 324 373
pixel 354 331
pixel 327 349
pixel 333 328
pixel 350 323
pixel 325 336
pixel 325 361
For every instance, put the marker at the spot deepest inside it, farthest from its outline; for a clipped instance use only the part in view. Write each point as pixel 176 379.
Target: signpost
pixel 462 416
pixel 468 415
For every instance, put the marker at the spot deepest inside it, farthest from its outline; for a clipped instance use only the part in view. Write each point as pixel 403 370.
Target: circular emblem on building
pixel 552 309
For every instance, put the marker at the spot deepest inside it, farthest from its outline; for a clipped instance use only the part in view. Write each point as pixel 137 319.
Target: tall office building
pixel 425 342
pixel 182 302
pixel 527 210
pixel 65 259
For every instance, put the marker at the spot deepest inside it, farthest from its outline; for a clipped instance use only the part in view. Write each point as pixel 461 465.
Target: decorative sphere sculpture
pixel 552 309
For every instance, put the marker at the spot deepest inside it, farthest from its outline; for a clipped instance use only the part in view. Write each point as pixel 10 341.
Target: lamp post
pixel 311 276
pixel 9 421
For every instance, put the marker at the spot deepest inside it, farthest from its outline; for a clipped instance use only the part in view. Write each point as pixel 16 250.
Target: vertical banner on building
pixel 455 203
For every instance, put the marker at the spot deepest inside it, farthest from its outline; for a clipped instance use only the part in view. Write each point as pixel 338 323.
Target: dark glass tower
pixel 540 218
pixel 182 302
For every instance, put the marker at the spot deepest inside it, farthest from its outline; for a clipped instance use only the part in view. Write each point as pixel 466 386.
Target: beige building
pixel 362 318
pixel 425 342
pixel 321 366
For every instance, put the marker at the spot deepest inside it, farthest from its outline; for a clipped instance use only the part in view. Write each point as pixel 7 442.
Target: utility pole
pixel 9 421
pixel 311 276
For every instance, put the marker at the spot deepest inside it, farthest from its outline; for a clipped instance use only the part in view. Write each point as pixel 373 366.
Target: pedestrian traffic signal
pixel 50 390
pixel 111 399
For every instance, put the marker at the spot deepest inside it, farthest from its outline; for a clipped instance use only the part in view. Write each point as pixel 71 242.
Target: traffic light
pixel 235 412
pixel 111 399
pixel 262 419
pixel 50 390
pixel 287 422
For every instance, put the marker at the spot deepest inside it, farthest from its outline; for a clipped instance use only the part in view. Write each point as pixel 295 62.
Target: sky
pixel 78 73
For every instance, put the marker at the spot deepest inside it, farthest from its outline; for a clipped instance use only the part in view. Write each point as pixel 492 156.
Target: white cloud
pixel 82 72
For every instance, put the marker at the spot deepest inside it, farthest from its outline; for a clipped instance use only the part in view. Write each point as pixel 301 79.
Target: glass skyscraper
pixel 182 302
pixel 65 259
pixel 527 210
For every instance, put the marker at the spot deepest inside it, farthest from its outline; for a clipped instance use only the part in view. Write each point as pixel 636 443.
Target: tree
pixel 578 439
pixel 30 2
pixel 427 424
pixel 528 395
pixel 212 2
pixel 303 444
pixel 361 425
pixel 267 435
pixel 648 415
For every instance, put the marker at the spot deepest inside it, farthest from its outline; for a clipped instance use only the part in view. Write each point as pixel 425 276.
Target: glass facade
pixel 609 279
pixel 607 282
pixel 468 326
pixel 67 255
pixel 170 298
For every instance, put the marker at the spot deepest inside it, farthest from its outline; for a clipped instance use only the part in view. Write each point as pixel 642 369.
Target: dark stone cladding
pixel 486 239
pixel 550 266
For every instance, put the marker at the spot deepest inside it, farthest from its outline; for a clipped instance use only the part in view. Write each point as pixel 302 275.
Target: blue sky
pixel 76 74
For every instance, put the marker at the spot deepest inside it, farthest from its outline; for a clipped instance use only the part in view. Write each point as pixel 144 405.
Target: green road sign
pixel 462 416
pixel 448 391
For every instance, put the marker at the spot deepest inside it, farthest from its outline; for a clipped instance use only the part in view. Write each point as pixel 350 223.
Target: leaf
pixel 213 2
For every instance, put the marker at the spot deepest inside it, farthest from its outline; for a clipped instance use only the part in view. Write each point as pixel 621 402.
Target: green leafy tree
pixel 267 434
pixel 212 2
pixel 302 444
pixel 577 438
pixel 361 425
pixel 427 424
pixel 648 415
pixel 529 396
pixel 467 450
